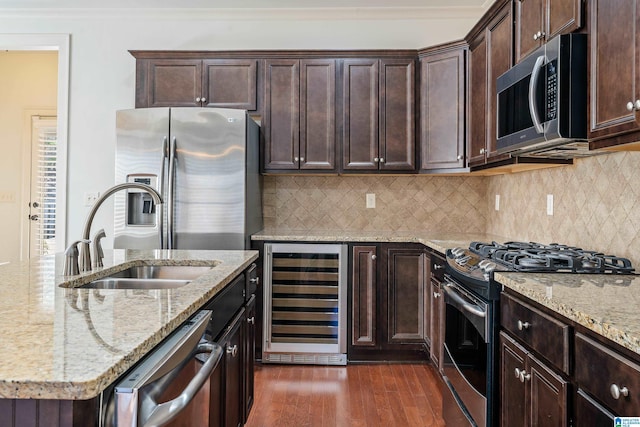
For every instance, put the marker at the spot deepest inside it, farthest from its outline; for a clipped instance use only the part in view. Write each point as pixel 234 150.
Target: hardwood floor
pixel 356 395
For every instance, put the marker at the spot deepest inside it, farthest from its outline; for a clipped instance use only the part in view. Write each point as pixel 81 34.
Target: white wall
pixel 102 72
pixel 28 81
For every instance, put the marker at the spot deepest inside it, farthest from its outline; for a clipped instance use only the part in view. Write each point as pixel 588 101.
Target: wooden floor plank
pixel 353 396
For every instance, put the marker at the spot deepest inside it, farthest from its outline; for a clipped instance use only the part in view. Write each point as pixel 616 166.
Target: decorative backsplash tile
pixel 596 205
pixel 403 203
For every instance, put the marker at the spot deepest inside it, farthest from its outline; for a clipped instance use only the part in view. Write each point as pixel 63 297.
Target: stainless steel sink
pixel 155 272
pixel 132 283
pixel 149 277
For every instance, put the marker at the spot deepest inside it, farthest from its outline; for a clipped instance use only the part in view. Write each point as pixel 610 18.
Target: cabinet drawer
pixel 599 370
pixel 437 267
pixel 545 335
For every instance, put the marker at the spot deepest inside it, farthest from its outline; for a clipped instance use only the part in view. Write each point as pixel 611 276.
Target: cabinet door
pixel 478 101
pixel 529 21
pixel 282 114
pixel 230 83
pixel 614 71
pixel 174 83
pixel 406 277
pixel 591 413
pixel 512 390
pixel 363 297
pixel 563 16
pixel 548 395
pixel 233 344
pixel 317 114
pixel 360 109
pixel 249 355
pixel 499 41
pixel 397 144
pixel 442 108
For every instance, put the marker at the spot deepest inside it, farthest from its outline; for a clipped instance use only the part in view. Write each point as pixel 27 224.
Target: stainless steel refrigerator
pixel 204 162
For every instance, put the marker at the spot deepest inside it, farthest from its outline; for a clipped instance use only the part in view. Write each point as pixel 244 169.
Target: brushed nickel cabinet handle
pixel 616 391
pixel 251 320
pixel 233 350
pixel 523 325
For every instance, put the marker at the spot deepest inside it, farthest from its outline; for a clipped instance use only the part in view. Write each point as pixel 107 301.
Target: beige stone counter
pixel 439 242
pixel 65 343
pixel 606 304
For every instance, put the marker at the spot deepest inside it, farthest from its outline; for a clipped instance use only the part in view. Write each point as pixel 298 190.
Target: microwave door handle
pixel 533 87
pixel 161 414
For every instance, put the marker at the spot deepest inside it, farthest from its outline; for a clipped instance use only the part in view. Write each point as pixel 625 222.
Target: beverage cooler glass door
pixel 305 304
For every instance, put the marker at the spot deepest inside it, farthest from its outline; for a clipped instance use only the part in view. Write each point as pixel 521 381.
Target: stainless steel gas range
pixel 472 319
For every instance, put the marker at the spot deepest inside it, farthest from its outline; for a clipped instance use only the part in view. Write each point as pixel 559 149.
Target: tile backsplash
pixel 403 203
pixel 596 204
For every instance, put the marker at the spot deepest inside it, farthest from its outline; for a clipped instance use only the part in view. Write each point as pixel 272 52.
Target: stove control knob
pixel 487 266
pixel 457 252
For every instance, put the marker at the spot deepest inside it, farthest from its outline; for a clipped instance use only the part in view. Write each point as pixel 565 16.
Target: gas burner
pixel 536 257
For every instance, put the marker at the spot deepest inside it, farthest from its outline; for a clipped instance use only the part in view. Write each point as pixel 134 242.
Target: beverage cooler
pixel 305 302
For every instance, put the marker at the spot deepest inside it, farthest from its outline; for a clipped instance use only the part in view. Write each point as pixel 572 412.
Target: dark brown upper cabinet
pixel 442 107
pixel 614 108
pixel 540 20
pixel 490 56
pixel 186 82
pixel 379 115
pixel 299 124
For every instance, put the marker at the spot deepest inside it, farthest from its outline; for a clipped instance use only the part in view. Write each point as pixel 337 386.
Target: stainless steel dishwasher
pixel 305 301
pixel 170 386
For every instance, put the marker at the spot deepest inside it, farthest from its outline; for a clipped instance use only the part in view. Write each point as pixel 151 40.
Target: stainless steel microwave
pixel 542 101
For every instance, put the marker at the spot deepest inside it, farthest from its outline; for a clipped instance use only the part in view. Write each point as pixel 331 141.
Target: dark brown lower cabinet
pixel 531 393
pixel 591 413
pixel 387 302
pixel 249 355
pixel 233 344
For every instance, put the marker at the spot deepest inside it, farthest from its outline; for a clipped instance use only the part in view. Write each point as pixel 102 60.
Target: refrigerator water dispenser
pixel 141 211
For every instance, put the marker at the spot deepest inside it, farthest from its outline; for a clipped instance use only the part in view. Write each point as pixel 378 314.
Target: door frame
pixel 60 43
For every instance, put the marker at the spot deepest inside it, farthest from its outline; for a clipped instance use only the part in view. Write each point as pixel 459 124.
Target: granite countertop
pixel 439 242
pixel 607 304
pixel 69 343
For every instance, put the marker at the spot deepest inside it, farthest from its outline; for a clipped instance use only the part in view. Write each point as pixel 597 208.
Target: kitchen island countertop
pixel 69 343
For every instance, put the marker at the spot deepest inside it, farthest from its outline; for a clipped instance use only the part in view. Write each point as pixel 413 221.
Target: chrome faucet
pixel 85 255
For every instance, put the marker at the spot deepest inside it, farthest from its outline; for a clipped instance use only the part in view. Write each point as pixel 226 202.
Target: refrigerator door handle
pixel 169 202
pixel 160 212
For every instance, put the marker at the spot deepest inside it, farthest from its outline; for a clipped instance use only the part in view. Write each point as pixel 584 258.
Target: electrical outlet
pixel 371 200
pixel 549 204
pixel 90 198
pixel 497 202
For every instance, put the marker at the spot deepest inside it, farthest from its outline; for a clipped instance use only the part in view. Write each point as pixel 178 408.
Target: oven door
pixel 466 353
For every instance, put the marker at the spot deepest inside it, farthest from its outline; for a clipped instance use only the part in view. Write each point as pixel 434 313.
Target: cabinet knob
pixel 436 294
pixel 302 159
pixel 459 157
pixel 381 159
pixel 539 35
pixel 636 104
pixel 517 372
pixel 376 160
pixel 255 280
pixel 204 99
pixel 251 320
pixel 438 266
pixel 630 106
pixel 373 257
pixel 482 151
pixel 295 159
pixel 523 325
pixel 198 99
pixel 524 376
pixel 617 391
pixel 233 350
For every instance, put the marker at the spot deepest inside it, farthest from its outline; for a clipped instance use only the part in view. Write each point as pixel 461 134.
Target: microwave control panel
pixel 552 90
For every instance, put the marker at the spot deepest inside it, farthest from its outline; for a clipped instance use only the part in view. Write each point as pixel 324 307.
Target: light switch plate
pixel 549 204
pixel 497 202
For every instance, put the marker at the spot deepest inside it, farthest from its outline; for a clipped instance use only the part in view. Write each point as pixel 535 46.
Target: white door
pixel 42 195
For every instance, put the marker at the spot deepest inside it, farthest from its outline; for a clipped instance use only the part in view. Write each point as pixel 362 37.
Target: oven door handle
pixel 460 302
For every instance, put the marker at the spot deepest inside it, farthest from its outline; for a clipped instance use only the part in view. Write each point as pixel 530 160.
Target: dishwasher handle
pixel 157 415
